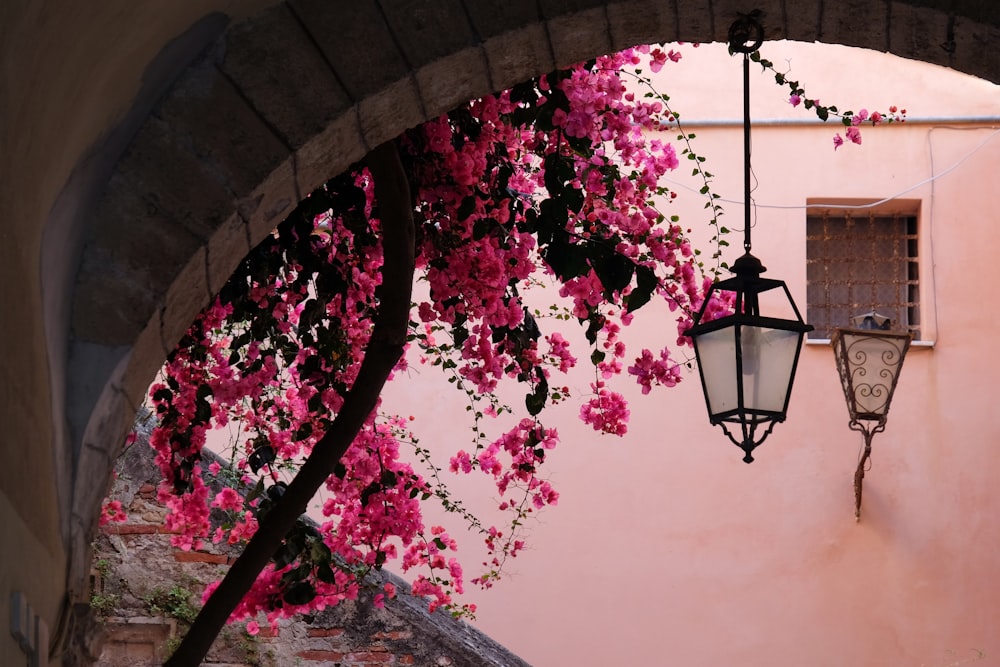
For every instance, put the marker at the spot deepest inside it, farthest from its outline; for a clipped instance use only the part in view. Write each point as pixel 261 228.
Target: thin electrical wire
pixel 880 202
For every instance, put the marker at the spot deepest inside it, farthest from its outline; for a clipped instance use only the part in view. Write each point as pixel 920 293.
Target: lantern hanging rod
pixel 745 36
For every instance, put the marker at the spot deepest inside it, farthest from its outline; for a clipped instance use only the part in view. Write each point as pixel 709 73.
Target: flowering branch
pixel 851 120
pixel 383 351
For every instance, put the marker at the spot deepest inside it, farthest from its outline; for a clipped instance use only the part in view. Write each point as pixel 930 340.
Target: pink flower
pixel 854 134
pixel 795 100
pixel 838 141
pixel 657 60
pixel 112 511
pixel 228 499
pixel 253 628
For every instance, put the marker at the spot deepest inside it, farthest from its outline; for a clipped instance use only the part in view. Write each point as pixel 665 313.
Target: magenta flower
pixel 657 60
pixel 795 100
pixel 854 134
pixel 838 141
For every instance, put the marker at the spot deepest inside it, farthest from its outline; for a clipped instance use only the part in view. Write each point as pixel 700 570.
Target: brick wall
pixel 145 591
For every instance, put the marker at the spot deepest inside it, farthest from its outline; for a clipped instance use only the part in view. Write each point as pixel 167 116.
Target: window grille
pixel 860 261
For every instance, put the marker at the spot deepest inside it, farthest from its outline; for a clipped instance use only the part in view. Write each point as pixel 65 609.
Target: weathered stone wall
pixel 145 592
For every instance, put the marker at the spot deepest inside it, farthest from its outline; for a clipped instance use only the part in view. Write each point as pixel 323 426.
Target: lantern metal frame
pixel 869 384
pixel 745 425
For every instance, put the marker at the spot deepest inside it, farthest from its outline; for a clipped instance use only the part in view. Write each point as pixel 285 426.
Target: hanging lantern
pixel 747 359
pixel 869 358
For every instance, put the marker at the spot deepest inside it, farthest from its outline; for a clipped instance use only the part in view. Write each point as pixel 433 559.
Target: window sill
pixel 917 344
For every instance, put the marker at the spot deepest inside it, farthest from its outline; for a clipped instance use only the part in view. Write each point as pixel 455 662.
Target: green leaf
pixel 286 553
pixel 256 491
pixel 566 260
pixel 369 491
pixel 613 269
pixel 645 285
pixel 595 324
pixel 300 593
pixel 388 478
pixel 261 457
pixel 573 198
pixel 304 431
pixel 535 401
pixel 325 573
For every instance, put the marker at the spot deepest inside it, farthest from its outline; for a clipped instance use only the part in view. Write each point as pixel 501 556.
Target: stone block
pixel 269 203
pixel 109 307
pixel 641 22
pixel 918 33
pixel 282 74
pixel 552 9
pixel 330 152
pixel 187 296
pixel 140 243
pixel 145 360
pixel 855 23
pixel 161 184
pixel 427 30
pixel 206 116
pixel 976 49
pixel 386 114
pixel 518 56
pixel 490 19
pixel 580 36
pixel 356 42
pixel 225 250
pixel 453 80
pixel 696 22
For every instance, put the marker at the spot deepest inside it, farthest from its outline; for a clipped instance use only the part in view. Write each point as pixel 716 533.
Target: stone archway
pixel 264 110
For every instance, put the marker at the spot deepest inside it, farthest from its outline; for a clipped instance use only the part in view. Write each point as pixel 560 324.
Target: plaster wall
pixel 665 547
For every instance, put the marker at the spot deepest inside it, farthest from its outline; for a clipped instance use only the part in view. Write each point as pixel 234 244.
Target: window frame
pixel 917 208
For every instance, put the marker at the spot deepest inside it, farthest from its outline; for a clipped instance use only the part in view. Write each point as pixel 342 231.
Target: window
pixel 859 260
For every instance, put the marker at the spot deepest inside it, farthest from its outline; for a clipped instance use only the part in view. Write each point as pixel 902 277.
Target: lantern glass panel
pixel 716 352
pixel 768 357
pixel 768 363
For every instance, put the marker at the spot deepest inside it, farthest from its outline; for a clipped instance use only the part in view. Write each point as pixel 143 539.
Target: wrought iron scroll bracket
pixel 869 432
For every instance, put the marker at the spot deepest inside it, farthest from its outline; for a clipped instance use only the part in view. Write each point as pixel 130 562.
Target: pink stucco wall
pixel 666 549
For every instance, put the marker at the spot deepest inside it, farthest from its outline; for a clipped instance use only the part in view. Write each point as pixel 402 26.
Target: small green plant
pixel 103 604
pixel 103 566
pixel 170 646
pixel 175 602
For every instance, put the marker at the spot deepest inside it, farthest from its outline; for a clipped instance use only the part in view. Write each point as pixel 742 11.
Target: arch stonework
pixel 251 115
